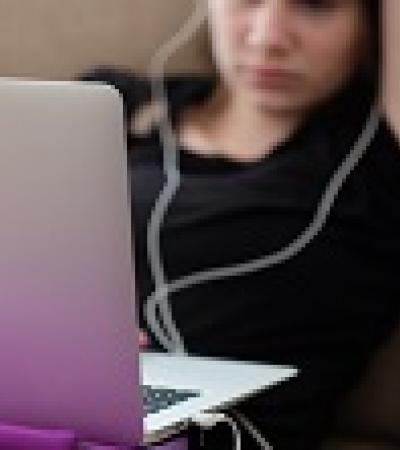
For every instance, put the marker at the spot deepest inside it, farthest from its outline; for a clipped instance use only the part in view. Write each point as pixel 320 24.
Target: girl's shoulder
pixel 142 111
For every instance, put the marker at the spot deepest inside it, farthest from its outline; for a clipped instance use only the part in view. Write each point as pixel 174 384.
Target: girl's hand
pixel 143 340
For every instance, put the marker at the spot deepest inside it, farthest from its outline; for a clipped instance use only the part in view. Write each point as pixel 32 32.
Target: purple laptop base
pixel 21 438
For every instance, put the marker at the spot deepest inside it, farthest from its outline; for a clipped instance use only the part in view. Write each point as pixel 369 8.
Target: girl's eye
pixel 309 6
pixel 316 5
pixel 251 2
pixel 247 3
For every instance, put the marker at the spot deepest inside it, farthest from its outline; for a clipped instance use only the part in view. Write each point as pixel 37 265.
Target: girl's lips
pixel 272 77
pixel 271 72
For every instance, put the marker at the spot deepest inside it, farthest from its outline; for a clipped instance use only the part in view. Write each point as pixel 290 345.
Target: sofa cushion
pixel 372 409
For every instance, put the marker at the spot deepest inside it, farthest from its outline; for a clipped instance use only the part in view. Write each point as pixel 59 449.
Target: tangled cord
pixel 167 334
pixel 207 420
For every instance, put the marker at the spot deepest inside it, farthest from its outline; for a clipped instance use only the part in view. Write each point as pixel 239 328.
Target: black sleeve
pixel 134 88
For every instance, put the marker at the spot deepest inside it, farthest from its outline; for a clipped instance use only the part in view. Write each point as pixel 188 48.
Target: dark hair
pixel 372 66
pixel 354 101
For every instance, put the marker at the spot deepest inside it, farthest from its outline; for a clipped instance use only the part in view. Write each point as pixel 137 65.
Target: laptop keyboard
pixel 156 399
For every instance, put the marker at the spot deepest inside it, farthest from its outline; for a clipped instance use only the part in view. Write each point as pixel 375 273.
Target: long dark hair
pixel 358 95
pixel 374 60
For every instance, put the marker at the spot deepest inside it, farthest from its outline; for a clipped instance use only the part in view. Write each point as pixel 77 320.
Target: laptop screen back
pixel 67 315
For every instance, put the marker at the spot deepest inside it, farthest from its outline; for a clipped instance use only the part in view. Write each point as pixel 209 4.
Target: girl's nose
pixel 269 26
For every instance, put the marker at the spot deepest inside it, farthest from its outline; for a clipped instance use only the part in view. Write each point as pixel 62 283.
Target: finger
pixel 143 339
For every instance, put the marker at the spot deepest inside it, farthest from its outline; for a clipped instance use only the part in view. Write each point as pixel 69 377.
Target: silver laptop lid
pixel 67 317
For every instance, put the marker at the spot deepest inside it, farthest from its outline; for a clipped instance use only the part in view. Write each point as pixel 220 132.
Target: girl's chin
pixel 274 102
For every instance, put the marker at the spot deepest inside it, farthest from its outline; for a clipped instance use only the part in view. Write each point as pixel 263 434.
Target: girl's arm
pixel 390 94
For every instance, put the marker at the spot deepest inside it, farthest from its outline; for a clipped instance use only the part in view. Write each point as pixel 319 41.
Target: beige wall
pixel 57 39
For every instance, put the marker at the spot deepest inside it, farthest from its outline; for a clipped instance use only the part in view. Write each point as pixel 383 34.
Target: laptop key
pixel 158 398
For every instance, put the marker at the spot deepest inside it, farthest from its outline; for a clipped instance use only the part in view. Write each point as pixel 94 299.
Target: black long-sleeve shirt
pixel 327 309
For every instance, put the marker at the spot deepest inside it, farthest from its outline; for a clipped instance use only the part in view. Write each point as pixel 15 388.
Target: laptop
pixel 68 329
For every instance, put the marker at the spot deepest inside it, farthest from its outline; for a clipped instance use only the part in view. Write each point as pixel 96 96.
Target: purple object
pixel 94 446
pixel 13 437
pixel 179 443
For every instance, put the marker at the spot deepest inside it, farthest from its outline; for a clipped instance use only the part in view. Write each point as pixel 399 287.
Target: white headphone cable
pixel 158 297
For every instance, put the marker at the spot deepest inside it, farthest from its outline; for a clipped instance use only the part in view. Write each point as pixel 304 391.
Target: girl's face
pixel 287 55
